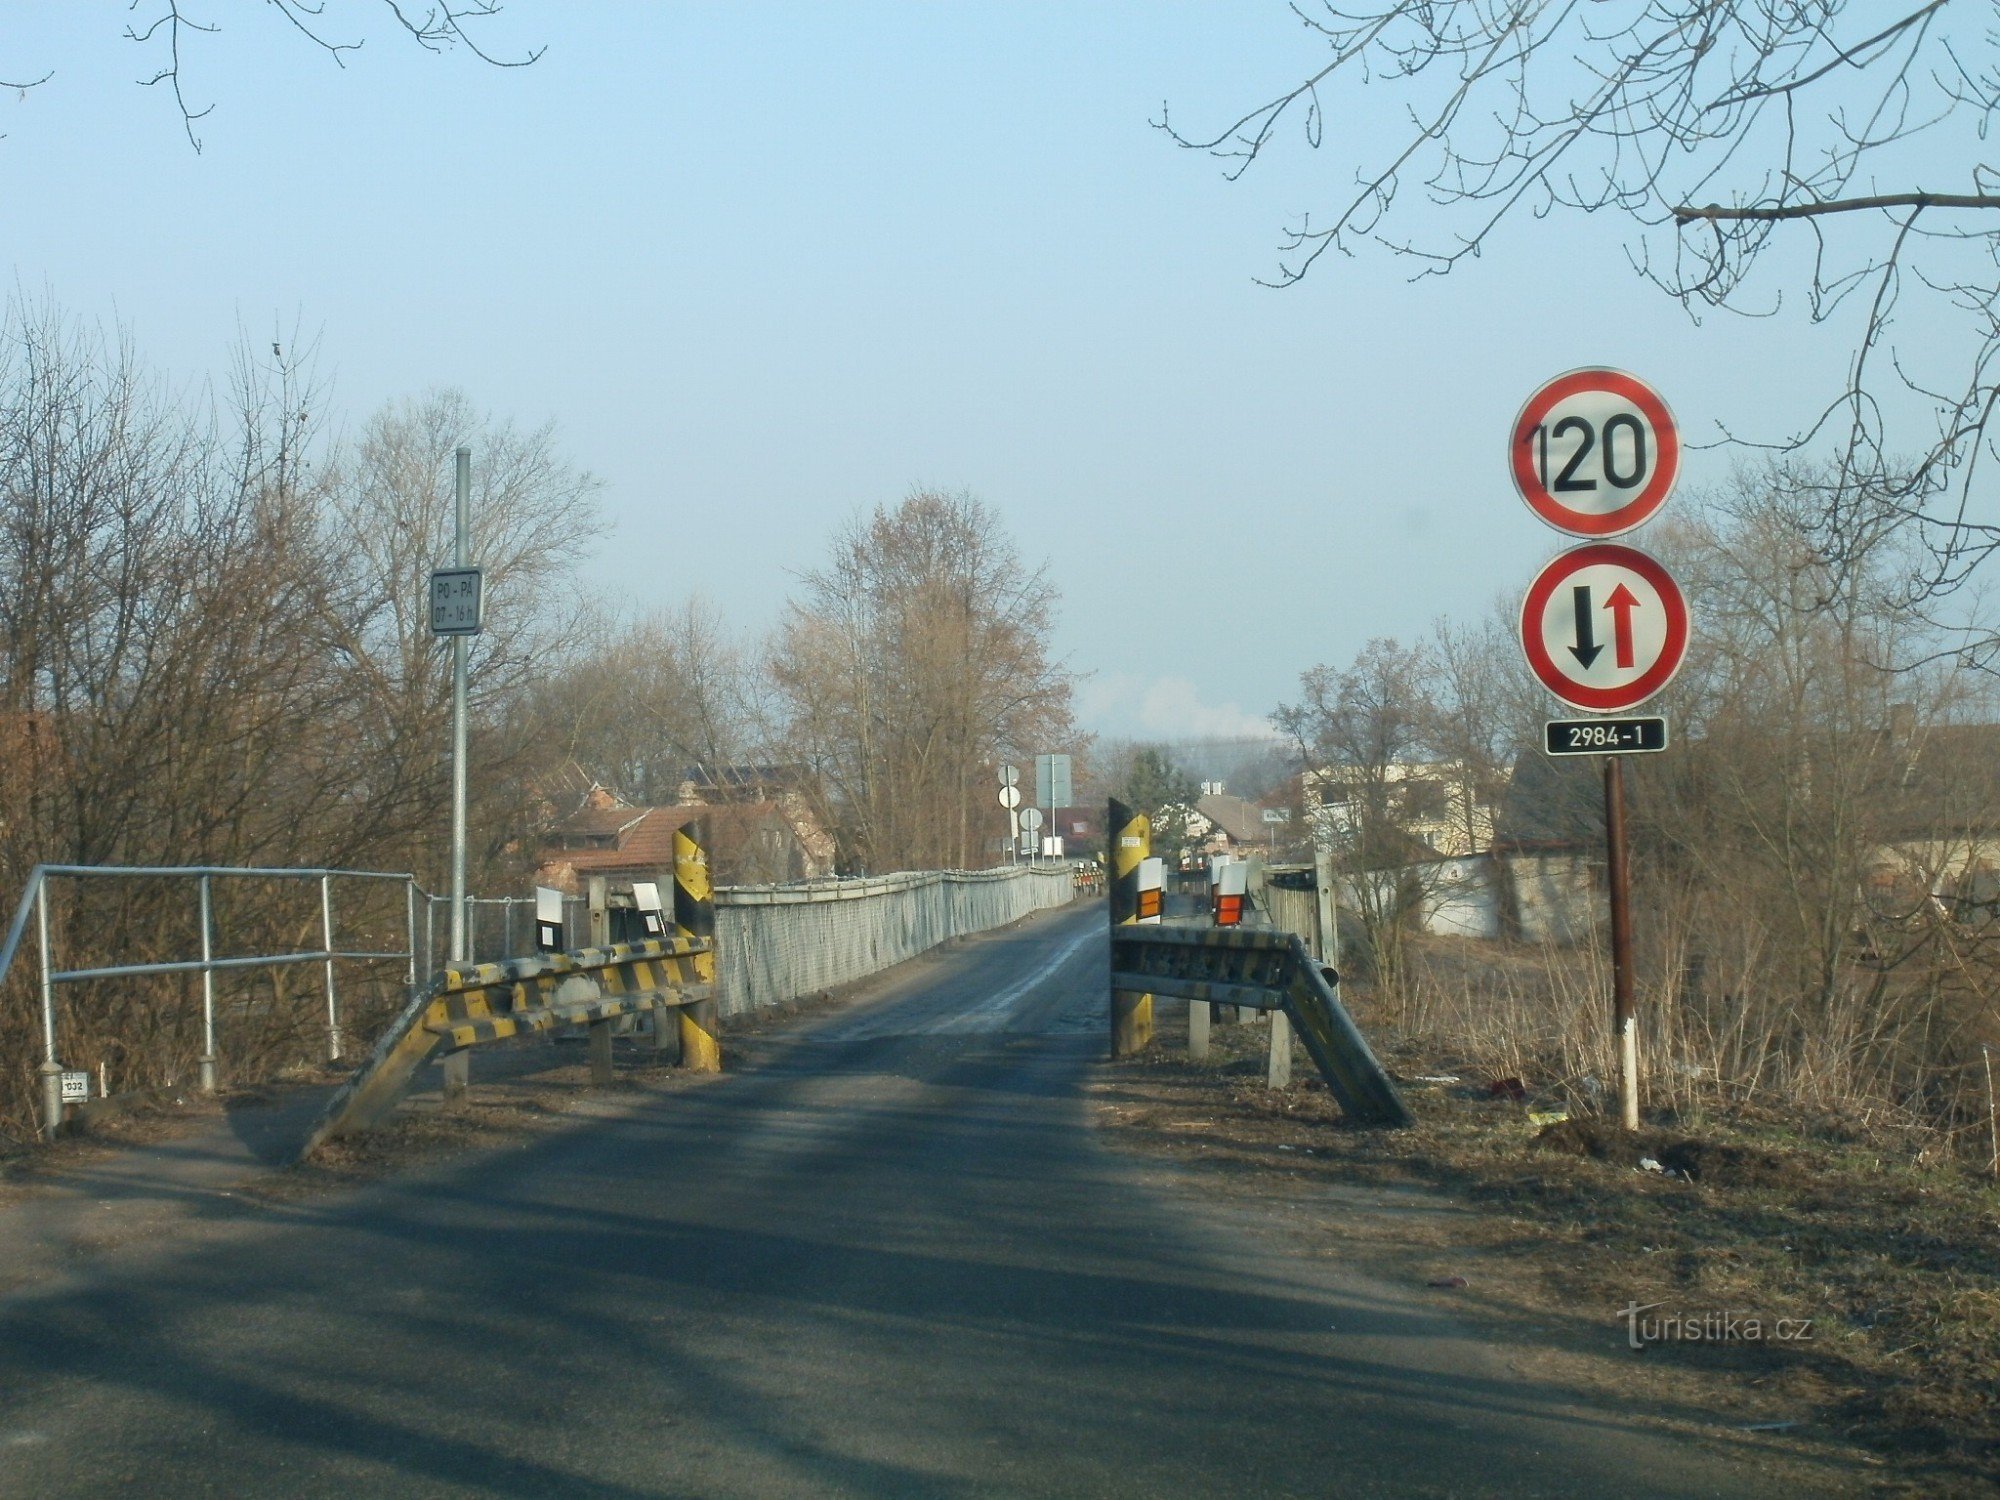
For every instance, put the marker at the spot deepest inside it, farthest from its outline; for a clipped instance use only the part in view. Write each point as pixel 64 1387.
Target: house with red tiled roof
pixel 750 843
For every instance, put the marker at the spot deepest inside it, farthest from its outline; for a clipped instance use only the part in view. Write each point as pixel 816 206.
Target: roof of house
pixel 1241 819
pixel 742 778
pixel 634 837
pixel 1551 803
pixel 587 825
pixel 623 839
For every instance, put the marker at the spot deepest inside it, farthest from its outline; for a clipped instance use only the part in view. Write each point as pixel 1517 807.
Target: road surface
pixel 884 1256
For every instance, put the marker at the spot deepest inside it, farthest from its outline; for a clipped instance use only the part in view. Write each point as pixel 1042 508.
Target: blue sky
pixel 767 264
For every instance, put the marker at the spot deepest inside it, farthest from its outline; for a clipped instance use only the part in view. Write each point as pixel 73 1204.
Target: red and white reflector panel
pixel 1152 881
pixel 1232 884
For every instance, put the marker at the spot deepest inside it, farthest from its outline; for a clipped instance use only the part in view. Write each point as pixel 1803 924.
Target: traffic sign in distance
pixel 1031 818
pixel 1605 736
pixel 1010 796
pixel 1010 775
pixel 1604 627
pixel 1595 452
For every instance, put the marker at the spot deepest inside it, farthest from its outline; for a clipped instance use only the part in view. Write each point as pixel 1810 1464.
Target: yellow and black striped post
pixel 694 915
pixel 1131 841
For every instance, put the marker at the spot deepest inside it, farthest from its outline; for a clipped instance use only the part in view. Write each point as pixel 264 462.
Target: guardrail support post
pixel 1131 842
pixel 1278 1063
pixel 601 1072
pixel 332 1001
pixel 1198 1019
pixel 207 989
pixel 694 915
pixel 410 928
pixel 666 1034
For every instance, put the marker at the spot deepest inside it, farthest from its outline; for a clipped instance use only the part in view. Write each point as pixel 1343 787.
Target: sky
pixel 767 265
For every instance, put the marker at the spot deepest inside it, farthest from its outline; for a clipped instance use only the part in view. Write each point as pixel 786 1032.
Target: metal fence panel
pixel 777 943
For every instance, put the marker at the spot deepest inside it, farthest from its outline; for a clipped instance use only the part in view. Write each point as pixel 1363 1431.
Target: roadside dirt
pixel 520 1091
pixel 1885 1272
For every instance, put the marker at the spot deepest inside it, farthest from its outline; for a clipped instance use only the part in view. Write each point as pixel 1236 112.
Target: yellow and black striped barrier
pixel 479 1003
pixel 1130 844
pixel 1263 970
pixel 694 919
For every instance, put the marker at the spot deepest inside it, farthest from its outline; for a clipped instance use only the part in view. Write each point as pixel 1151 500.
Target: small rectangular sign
pixel 1605 736
pixel 75 1088
pixel 457 601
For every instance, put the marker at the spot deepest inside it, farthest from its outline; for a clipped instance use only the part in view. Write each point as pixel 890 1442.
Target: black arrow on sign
pixel 1586 649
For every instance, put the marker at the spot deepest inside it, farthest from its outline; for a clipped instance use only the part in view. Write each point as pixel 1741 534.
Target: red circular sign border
pixel 1640 688
pixel 1641 508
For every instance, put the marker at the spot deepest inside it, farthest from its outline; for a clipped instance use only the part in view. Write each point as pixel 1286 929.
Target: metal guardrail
pixel 34 905
pixel 793 956
pixel 468 1005
pixel 1262 970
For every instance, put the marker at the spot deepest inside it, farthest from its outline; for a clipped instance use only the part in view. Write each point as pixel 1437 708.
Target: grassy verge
pixel 1888 1257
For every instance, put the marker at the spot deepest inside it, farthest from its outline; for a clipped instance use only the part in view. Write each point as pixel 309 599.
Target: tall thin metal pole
pixel 1624 1026
pixel 326 934
pixel 410 926
pixel 457 1068
pixel 51 1070
pixel 207 989
pixel 461 557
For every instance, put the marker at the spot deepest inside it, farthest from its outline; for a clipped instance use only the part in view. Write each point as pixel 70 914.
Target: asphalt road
pixel 884 1257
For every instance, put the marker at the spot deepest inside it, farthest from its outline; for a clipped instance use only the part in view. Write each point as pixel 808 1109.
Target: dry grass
pixel 1891 1247
pixel 1902 1057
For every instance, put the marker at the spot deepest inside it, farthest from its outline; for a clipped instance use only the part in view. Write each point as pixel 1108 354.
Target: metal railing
pixel 34 904
pixel 780 941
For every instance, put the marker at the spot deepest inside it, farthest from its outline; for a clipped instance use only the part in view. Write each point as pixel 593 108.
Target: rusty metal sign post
pixel 1595 453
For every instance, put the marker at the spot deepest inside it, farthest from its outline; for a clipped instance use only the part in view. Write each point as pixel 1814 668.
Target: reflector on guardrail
pixel 1232 884
pixel 1152 887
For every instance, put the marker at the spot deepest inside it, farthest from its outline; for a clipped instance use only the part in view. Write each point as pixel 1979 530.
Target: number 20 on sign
pixel 1595 452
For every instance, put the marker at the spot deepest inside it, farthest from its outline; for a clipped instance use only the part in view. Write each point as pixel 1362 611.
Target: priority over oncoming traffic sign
pixel 1604 627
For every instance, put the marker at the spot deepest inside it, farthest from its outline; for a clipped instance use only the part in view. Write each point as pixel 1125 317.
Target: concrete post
pixel 667 1034
pixel 601 1071
pixel 1278 1063
pixel 1198 1019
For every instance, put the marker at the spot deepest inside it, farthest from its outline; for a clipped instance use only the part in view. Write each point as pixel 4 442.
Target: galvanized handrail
pixel 34 903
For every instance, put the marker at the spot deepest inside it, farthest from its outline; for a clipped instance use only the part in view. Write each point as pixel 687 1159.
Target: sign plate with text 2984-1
pixel 1605 736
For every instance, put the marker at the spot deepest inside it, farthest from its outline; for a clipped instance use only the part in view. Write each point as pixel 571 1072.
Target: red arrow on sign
pixel 1621 604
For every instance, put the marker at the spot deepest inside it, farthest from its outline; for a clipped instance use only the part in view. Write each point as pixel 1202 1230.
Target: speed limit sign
pixel 1595 452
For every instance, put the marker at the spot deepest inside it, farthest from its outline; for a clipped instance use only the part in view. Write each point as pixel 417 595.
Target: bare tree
pixel 390 515
pixel 916 659
pixel 1826 156
pixel 638 703
pixel 169 29
pixel 1360 732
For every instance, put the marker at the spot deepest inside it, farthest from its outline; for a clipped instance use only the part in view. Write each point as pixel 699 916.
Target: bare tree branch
pixel 1713 127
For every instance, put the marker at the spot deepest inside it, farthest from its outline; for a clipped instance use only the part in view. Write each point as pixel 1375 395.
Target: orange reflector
pixel 1149 904
pixel 1228 911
